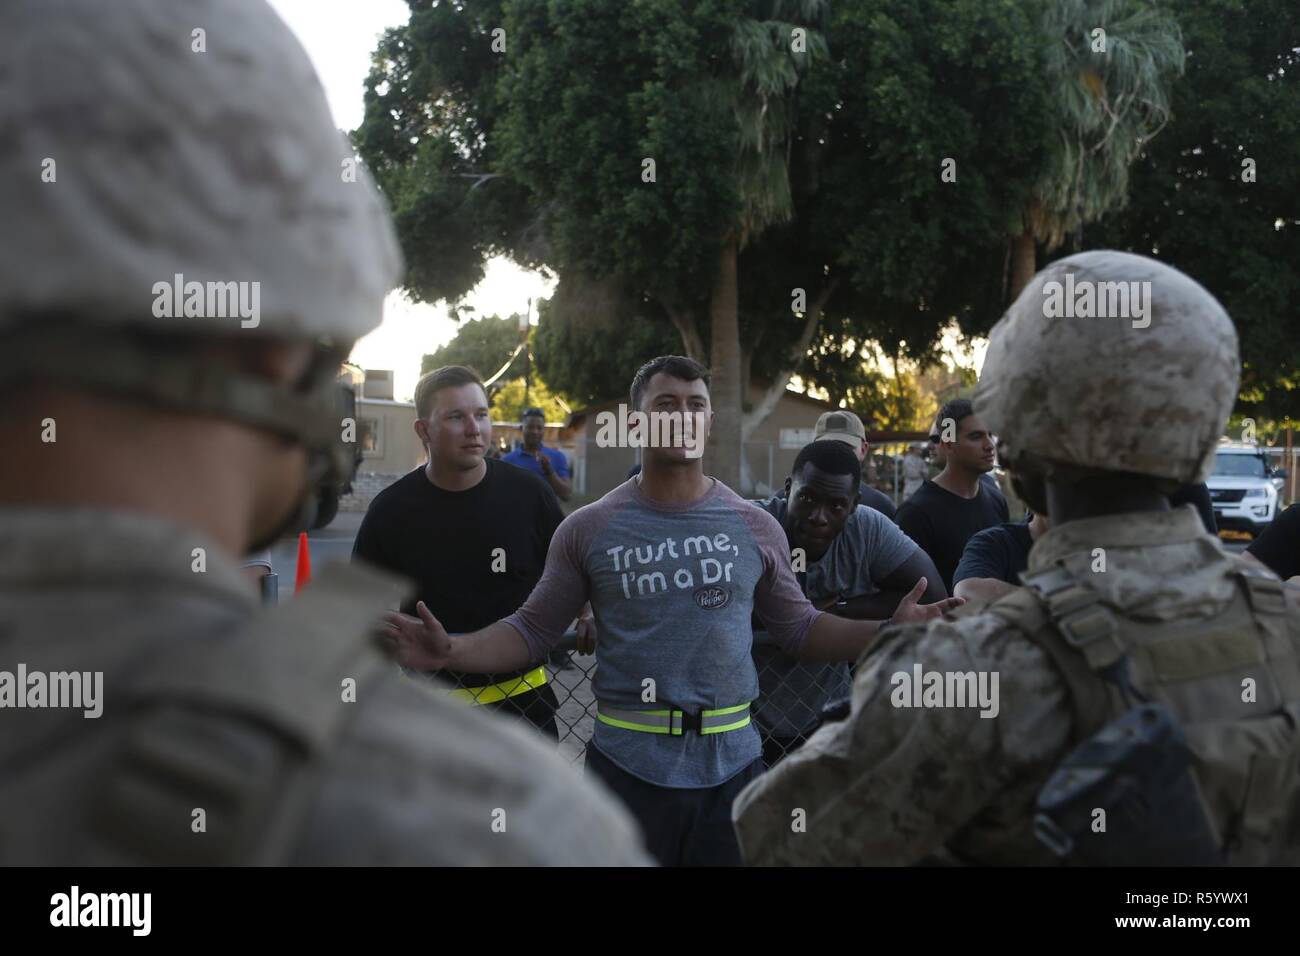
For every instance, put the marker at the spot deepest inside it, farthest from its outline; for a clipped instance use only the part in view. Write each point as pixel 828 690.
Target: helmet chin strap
pixel 310 416
pixel 1032 490
pixel 301 516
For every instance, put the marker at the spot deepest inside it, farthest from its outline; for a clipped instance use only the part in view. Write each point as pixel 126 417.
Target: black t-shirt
pixel 447 541
pixel 1278 546
pixel 1000 552
pixel 941 522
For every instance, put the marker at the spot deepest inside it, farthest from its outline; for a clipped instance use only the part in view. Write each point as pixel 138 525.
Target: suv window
pixel 1240 466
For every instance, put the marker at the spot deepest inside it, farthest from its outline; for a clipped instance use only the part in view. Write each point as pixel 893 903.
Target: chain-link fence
pixel 557 698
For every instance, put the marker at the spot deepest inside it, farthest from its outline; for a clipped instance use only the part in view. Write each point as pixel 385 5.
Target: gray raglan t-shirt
pixel 793 693
pixel 672 588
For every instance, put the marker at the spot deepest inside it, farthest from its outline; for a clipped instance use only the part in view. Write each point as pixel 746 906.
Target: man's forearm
pixel 834 638
pixel 982 589
pixel 497 647
pixel 869 607
pixel 562 486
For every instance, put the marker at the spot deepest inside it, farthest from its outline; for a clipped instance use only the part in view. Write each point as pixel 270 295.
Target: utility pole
pixel 528 356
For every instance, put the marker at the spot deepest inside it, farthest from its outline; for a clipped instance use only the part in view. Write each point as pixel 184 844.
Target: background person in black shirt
pixel 1278 546
pixel 472 533
pixel 937 457
pixel 950 508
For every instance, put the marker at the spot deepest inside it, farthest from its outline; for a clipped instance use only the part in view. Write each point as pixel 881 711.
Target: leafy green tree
pixel 508 402
pixel 690 167
pixel 486 345
pixel 593 358
pixel 1196 203
pixel 482 344
pixel 1109 66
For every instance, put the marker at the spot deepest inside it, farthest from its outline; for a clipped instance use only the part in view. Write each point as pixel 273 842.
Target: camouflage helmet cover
pixel 1145 389
pixel 133 157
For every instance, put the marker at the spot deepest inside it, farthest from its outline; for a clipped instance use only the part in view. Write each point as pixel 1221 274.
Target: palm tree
pixel 1109 102
pixel 767 59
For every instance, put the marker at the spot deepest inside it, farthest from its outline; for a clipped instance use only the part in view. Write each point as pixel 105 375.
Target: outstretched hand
pixel 909 612
pixel 421 642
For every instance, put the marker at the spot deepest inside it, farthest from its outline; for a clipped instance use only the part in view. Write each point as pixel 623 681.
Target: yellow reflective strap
pixel 725 727
pixel 494 692
pixel 626 725
pixel 725 710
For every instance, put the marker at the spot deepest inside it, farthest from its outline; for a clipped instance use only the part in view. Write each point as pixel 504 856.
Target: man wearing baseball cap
pixel 844 426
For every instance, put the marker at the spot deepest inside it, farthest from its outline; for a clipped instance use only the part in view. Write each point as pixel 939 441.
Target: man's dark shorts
pixel 681 827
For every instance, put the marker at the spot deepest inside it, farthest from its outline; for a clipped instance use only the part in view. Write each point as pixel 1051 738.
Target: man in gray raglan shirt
pixel 673 563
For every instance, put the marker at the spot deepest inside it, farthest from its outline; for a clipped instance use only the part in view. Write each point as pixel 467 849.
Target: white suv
pixel 1241 488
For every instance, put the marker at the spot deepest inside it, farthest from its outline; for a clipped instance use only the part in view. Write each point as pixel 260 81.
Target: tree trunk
pixel 1023 262
pixel 684 322
pixel 724 441
pixel 794 359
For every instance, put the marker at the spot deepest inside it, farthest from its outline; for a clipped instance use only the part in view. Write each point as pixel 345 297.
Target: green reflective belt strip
pixel 494 692
pixel 670 721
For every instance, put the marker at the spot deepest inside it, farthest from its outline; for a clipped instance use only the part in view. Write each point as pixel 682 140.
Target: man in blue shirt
pixel 550 463
pixel 990 565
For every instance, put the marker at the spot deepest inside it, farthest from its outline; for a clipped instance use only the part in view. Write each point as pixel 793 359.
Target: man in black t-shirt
pixel 939 459
pixel 950 508
pixel 472 534
pixel 1278 546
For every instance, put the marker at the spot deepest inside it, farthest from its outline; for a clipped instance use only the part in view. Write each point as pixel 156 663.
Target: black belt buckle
pixel 693 722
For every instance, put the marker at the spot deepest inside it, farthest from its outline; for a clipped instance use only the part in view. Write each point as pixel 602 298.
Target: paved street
pixel 326 545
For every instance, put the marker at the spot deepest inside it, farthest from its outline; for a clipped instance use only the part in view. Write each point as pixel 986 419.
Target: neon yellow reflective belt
pixel 494 692
pixel 675 722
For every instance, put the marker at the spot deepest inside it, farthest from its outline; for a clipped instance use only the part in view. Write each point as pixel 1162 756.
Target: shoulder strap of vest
pixel 1266 594
pixel 237 726
pixel 1077 633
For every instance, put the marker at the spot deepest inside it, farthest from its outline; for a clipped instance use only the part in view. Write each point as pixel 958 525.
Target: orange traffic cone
pixel 303 574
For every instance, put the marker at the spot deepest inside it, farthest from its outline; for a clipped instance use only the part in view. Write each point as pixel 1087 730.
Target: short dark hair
pixel 533 413
pixel 956 409
pixel 449 376
pixel 832 457
pixel 678 366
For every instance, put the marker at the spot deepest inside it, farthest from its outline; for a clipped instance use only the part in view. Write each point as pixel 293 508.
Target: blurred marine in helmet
pixel 187 253
pixel 1136 702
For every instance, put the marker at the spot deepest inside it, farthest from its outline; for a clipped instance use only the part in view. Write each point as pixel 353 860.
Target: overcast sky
pixel 339 36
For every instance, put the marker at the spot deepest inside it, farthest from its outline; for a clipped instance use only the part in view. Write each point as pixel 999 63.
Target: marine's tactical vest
pixel 1232 683
pixel 214 751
